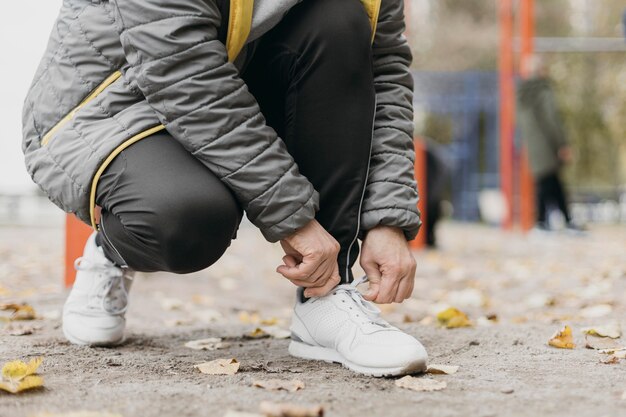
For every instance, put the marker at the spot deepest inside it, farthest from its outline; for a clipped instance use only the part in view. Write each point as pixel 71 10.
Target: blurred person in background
pixel 544 135
pixel 159 122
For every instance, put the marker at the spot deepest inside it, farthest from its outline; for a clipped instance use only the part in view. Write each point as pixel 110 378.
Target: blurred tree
pixel 461 35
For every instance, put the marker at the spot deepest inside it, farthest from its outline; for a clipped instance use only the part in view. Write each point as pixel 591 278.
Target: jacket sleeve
pixel 177 62
pixel 391 191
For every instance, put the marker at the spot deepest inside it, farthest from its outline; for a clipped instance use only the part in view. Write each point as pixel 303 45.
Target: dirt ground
pixel 533 285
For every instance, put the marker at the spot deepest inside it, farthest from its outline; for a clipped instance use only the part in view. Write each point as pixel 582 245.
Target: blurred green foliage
pixel 459 35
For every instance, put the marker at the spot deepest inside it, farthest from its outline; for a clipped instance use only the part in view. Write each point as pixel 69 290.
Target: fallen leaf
pixel 79 414
pixel 270 409
pixel 232 413
pixel 563 339
pixel 611 330
pixel 269 331
pixel 20 311
pixel 279 384
pixel 619 352
pixel 219 367
pixel 420 384
pixel 596 311
pixel 20 329
pixel 442 369
pixel 249 318
pixel 611 360
pixel 19 376
pixel 600 343
pixel 451 318
pixel 178 322
pixel 170 303
pixel 212 343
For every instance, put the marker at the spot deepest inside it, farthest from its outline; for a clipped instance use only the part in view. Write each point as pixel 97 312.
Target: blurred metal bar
pixel 507 106
pixel 526 185
pixel 573 45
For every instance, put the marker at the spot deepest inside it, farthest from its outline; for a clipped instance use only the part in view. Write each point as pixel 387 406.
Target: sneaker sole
pixel 319 353
pixel 77 341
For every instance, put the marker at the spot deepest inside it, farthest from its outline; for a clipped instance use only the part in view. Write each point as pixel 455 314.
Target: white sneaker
pixel 94 311
pixel 343 327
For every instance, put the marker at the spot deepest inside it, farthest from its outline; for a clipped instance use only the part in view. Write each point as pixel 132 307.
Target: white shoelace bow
pixel 369 308
pixel 114 279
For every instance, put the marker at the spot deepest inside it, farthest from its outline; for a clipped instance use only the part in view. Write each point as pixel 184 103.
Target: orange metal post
pixel 76 234
pixel 507 106
pixel 527 191
pixel 420 175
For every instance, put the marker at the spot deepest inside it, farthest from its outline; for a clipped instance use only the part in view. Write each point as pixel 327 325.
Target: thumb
pixel 374 278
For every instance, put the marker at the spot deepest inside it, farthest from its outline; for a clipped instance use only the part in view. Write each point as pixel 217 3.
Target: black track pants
pixel 550 191
pixel 162 210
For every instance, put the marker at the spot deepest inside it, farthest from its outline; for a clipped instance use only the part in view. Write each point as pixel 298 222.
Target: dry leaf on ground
pixel 270 409
pixel 600 343
pixel 211 343
pixel 451 318
pixel 232 413
pixel 562 339
pixel 420 384
pixel 20 311
pixel 249 318
pixel 442 369
pixel 279 384
pixel 219 367
pixel 20 376
pixel 611 330
pixel 269 331
pixel 20 329
pixel 599 310
pixel 611 360
pixel 79 414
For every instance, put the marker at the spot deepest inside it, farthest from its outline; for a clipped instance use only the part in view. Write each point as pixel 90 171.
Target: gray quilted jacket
pixel 116 71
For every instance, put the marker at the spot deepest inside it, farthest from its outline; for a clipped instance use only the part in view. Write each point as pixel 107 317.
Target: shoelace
pixel 371 311
pixel 115 279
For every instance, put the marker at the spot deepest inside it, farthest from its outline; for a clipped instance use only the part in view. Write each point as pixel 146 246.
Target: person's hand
pixel 310 260
pixel 566 154
pixel 389 265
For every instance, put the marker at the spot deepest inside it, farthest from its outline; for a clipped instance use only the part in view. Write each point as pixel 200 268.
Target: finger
pixel 290 261
pixel 301 271
pixel 388 288
pixel 322 291
pixel 404 289
pixel 373 277
pixel 332 281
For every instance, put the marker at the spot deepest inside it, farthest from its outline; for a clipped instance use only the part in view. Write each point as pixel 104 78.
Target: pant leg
pixel 162 210
pixel 312 76
pixel 541 192
pixel 559 196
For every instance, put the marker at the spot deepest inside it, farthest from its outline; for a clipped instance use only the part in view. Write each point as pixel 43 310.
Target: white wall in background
pixel 24 29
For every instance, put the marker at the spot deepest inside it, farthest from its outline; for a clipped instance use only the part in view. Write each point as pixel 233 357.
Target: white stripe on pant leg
pixel 358 221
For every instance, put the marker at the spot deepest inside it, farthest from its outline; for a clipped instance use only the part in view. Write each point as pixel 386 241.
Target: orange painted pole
pixel 507 106
pixel 527 189
pixel 420 175
pixel 76 234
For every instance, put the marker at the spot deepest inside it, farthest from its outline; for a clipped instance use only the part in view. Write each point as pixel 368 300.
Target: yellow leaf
pixel 219 367
pixel 20 311
pixel 611 330
pixel 563 339
pixel 249 318
pixel 17 370
pixel 452 318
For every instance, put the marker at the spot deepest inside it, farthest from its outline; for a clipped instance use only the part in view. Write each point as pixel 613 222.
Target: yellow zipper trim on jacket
pixel 239 24
pixel 372 7
pixel 95 93
pixel 107 162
